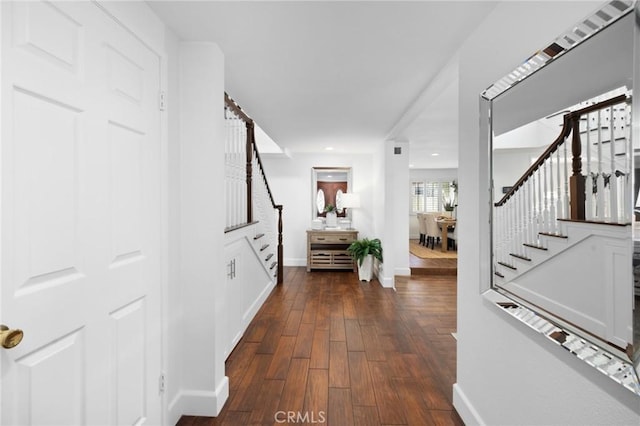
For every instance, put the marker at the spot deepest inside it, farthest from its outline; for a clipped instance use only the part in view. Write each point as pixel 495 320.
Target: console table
pixel 327 249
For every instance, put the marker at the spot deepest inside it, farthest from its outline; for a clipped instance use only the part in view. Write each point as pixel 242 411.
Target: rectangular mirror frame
pixel 621 366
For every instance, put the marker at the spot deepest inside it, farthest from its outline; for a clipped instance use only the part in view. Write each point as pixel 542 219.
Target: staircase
pixel 249 198
pixel 253 233
pixel 562 237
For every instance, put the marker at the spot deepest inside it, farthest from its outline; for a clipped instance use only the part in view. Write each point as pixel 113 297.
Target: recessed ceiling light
pixel 329 148
pixel 411 165
pixel 435 154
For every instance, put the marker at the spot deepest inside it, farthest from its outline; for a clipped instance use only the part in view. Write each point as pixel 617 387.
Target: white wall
pixel 379 198
pixel 432 175
pixel 395 237
pixel 290 182
pixel 203 385
pixel 507 373
pixel 173 295
pixel 509 164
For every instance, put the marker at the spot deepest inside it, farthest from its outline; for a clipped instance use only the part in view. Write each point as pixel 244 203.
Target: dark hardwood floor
pixel 431 261
pixel 328 349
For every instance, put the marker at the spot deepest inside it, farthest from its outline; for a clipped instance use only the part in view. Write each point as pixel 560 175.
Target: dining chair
pixel 422 225
pixel 433 231
pixel 453 237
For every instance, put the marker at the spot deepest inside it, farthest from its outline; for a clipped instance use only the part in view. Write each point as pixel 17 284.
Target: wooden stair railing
pixel 571 125
pixel 245 194
pixel 570 181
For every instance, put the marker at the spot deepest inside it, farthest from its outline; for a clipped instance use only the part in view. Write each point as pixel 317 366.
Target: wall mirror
pixel 563 138
pixel 328 186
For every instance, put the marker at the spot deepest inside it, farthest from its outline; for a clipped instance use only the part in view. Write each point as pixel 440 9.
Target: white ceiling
pixel 343 74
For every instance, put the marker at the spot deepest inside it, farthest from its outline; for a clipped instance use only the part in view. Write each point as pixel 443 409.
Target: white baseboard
pixel 199 403
pixel 464 407
pixel 174 412
pixel 257 304
pixel 403 272
pixel 222 394
pixel 386 282
pixel 294 262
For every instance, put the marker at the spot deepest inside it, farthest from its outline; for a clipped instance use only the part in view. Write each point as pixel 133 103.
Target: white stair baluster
pixel 507 230
pixel 525 213
pixel 628 190
pixel 589 214
pixel 501 218
pixel 237 196
pixel 242 173
pixel 497 232
pixel 507 227
pixel 559 205
pixel 567 207
pixel 613 180
pixel 514 223
pixel 545 213
pixel 503 230
pixel 600 178
pixel 523 218
pixel 540 223
pixel 531 211
pixel 514 226
pixel 518 222
pixel 552 196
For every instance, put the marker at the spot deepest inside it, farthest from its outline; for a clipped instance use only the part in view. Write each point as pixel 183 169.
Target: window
pixel 417 196
pixel 430 196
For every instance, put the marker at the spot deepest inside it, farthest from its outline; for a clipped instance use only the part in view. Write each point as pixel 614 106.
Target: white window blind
pixel 417 196
pixel 430 196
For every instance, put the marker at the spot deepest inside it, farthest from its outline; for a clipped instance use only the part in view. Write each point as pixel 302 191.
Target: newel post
pixel 280 248
pixel 249 168
pixel 576 181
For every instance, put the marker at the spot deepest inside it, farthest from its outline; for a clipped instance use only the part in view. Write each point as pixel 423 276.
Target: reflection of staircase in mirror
pixel 562 233
pixel 572 275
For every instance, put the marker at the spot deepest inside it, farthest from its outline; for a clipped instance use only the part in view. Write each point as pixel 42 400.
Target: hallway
pixel 326 348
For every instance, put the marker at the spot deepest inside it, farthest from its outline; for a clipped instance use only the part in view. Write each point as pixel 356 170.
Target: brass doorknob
pixel 10 338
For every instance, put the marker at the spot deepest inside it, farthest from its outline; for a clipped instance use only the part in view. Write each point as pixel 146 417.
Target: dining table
pixel 445 223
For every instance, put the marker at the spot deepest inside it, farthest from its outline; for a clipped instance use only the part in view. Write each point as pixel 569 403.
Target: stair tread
pixel 519 256
pixel 258 236
pixel 273 265
pixel 499 274
pixel 535 246
pixel 264 247
pixel 549 234
pixel 506 265
pixel 596 222
pixel 268 257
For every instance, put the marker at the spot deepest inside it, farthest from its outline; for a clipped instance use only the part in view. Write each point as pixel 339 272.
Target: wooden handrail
pixel 264 176
pixel 570 123
pixel 566 129
pixel 236 108
pixel 249 168
pixel 600 105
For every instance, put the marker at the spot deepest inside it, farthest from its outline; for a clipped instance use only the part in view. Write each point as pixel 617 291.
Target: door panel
pixel 80 222
pixel 61 362
pixel 128 356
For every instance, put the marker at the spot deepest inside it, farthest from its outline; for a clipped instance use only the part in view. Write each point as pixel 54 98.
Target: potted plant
pixel 449 198
pixel 364 251
pixel 331 216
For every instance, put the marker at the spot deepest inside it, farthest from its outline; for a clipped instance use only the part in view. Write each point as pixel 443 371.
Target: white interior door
pixel 80 218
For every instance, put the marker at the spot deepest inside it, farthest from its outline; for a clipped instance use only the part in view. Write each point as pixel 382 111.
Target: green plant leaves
pixel 360 249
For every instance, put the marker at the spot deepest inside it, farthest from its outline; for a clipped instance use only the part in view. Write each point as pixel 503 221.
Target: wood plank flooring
pixel 431 262
pixel 328 349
